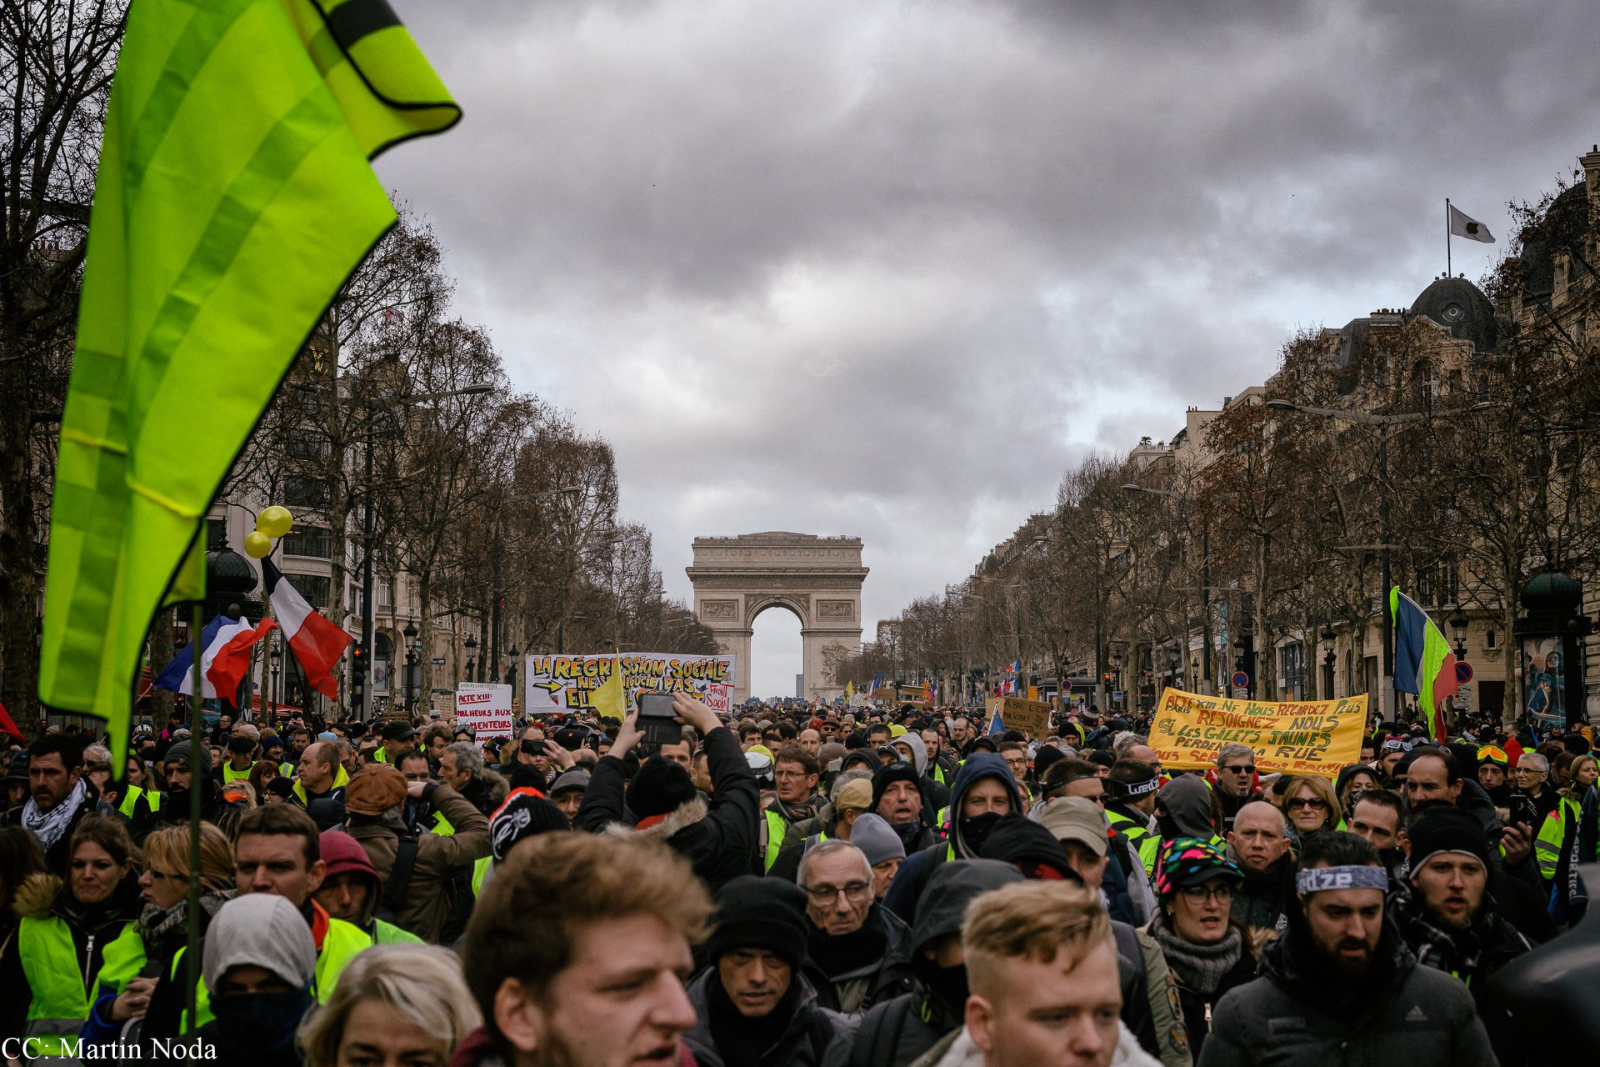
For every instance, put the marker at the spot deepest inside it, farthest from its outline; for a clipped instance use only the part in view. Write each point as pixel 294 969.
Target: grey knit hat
pixel 872 835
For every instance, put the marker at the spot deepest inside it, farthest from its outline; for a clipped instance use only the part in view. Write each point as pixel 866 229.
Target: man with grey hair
pixel 861 951
pixel 1533 774
pixel 461 768
pixel 1234 780
pixel 1129 745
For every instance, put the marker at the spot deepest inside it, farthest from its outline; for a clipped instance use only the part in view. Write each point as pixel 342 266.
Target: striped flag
pixel 234 196
pixel 178 676
pixel 316 643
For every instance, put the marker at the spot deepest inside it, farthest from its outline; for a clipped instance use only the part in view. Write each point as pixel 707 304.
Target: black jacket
pixel 803 1042
pixel 1258 903
pixel 853 990
pixel 719 839
pixel 1300 1011
pixel 56 859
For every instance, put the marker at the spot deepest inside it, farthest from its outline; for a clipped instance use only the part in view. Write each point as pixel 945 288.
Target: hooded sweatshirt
pixel 915 872
pixel 1186 800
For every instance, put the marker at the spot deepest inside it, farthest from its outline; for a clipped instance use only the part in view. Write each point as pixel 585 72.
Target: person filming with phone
pixel 717 838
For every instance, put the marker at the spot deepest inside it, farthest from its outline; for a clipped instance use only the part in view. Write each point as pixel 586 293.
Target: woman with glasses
pixel 1208 951
pixel 1310 807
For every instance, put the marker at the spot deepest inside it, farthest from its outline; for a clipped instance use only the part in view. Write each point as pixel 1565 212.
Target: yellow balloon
pixel 274 521
pixel 257 545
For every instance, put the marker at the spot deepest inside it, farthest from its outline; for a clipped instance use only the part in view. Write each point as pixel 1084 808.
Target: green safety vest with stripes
pixel 390 934
pixel 776 828
pixel 1146 843
pixel 340 780
pixel 131 800
pixel 61 992
pixel 230 775
pixel 1552 834
pixel 480 870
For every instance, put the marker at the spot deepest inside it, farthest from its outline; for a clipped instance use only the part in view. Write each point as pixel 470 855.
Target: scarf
pixel 1484 947
pixel 1200 967
pixel 743 1040
pixel 157 924
pixel 50 826
pixel 840 954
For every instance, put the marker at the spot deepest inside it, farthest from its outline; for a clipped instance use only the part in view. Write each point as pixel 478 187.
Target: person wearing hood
pixel 351 890
pixel 76 935
pixel 914 751
pixel 984 791
pixel 259 963
pixel 152 985
pixel 718 838
pixel 753 1006
pixel 1187 807
pixel 897 1031
pixel 1340 986
pixel 858 950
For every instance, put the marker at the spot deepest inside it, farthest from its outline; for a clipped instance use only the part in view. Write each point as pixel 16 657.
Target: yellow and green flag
pixel 234 196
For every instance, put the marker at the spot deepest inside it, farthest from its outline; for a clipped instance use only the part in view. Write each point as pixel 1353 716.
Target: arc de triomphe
pixel 818 578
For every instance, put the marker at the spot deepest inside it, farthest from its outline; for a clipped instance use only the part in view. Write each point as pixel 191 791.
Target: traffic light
pixel 358 663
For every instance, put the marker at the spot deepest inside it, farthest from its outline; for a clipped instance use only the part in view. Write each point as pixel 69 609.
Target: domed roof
pixel 1460 307
pixel 1552 591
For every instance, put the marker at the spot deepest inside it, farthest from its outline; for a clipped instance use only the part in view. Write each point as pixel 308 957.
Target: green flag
pixel 234 197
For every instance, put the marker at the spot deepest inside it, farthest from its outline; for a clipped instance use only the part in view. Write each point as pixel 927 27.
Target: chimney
pixel 1591 174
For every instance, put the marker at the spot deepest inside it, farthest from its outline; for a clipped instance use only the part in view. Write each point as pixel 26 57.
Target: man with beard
pixel 1259 844
pixel 59 796
pixel 1339 986
pixel 752 1003
pixel 1445 914
pixel 985 790
pixel 1234 780
pixel 859 951
pixel 898 1031
pixel 1378 816
pixel 898 799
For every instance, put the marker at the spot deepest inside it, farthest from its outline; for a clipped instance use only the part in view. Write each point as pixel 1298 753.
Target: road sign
pixel 438 661
pixel 1241 680
pixel 1463 672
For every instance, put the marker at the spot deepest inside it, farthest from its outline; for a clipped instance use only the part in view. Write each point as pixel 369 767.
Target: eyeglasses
pixel 1198 894
pixel 855 892
pixel 1018 762
pixel 1309 803
pixel 1248 768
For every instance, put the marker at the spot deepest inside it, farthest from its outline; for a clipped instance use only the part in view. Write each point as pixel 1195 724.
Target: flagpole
pixel 1447 265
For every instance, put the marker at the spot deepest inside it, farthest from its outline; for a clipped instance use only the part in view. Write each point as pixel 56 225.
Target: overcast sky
pixel 887 269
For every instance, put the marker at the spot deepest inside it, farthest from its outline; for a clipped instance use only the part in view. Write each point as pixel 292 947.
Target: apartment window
pixel 313 542
pixel 310 447
pixel 302 492
pixel 314 587
pixel 216 533
pixel 386 594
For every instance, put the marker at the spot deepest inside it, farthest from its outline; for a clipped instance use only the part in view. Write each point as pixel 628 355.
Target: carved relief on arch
pixel 836 609
pixel 719 609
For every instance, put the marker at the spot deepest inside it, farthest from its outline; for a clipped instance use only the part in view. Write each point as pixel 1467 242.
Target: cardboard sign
pixel 1032 717
pixel 1311 737
pixel 557 683
pixel 486 708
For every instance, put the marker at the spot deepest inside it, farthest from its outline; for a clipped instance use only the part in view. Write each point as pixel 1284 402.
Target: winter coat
pixel 1198 1007
pixel 804 1042
pixel 718 840
pixel 855 991
pixel 1259 902
pixel 1472 955
pixel 914 873
pixel 56 858
pixel 440 860
pixel 1300 1011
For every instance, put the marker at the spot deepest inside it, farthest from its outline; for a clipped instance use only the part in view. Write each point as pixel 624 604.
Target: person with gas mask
pixel 984 791
pixel 259 963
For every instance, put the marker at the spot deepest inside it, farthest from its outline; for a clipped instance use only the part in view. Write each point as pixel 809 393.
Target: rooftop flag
pixel 234 196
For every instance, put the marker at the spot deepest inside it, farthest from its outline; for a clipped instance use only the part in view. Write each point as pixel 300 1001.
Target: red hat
pixel 343 854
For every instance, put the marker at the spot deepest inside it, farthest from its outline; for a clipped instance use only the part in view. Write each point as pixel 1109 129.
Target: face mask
pixel 950 984
pixel 975 830
pixel 262 1020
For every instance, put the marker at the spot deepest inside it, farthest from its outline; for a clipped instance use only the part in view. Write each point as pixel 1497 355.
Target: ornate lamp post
pixel 471 645
pixel 412 651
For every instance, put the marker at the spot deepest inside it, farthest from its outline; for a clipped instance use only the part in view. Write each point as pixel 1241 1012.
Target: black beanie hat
pixel 524 813
pixel 1018 839
pixel 898 771
pixel 763 913
pixel 1445 828
pixel 659 787
pixel 1042 760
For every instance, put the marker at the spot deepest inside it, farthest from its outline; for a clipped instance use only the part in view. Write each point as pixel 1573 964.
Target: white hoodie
pixel 1128 1054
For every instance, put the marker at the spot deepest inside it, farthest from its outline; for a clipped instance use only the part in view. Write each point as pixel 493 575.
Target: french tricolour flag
pixel 317 643
pixel 224 642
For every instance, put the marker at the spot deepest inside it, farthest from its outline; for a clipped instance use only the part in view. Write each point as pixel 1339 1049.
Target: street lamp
pixel 412 650
pixel 511 671
pixel 1388 700
pixel 276 656
pixel 471 645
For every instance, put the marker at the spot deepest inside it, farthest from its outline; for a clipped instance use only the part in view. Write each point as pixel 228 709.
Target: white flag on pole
pixel 1464 225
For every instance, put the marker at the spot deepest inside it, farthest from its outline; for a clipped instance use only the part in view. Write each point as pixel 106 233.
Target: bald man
pixel 1259 844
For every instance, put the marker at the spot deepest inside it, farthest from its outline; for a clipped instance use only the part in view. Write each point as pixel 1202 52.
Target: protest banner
pixel 563 683
pixel 1308 737
pixel 1032 717
pixel 486 708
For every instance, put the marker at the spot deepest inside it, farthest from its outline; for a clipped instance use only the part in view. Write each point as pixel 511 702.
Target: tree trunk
pixel 161 653
pixel 425 637
pixel 1509 655
pixel 19 578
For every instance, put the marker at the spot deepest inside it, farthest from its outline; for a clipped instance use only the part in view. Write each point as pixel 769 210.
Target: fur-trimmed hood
pixel 35 896
pixel 685 816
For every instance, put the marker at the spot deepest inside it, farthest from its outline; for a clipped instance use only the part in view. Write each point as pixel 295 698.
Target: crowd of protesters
pixel 790 887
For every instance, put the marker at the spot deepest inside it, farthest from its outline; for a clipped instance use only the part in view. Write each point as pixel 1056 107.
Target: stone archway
pixel 818 578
